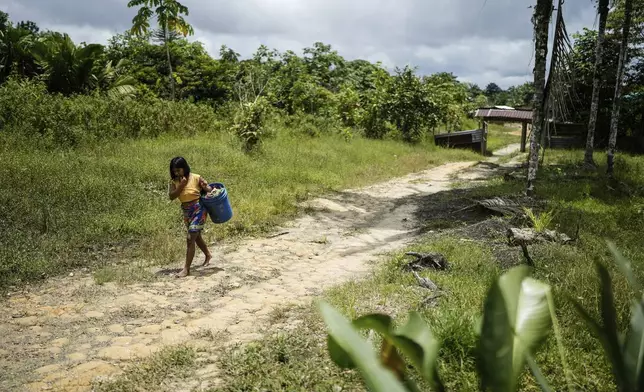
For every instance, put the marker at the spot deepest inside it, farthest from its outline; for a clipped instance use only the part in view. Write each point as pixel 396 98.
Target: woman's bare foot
pixel 182 274
pixel 207 262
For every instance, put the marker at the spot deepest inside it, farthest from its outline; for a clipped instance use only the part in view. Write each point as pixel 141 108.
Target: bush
pixel 311 125
pixel 27 110
pixel 249 123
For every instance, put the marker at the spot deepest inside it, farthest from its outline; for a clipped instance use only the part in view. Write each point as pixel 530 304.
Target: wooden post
pixel 524 135
pixel 484 139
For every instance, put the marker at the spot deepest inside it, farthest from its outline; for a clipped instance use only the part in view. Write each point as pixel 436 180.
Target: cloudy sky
pixel 478 40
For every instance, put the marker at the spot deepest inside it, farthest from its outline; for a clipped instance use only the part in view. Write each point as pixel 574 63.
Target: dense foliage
pixel 157 66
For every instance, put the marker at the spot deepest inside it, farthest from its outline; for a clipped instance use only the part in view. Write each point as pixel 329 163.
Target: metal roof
pixel 503 114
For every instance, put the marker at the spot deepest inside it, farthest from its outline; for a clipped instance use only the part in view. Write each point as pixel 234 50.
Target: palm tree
pixel 169 18
pixel 597 77
pixel 67 68
pixel 16 45
pixel 614 121
pixel 541 20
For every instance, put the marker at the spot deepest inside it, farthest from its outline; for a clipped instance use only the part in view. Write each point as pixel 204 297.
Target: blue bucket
pixel 219 207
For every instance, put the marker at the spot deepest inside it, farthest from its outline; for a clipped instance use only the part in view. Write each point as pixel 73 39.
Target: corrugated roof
pixel 517 115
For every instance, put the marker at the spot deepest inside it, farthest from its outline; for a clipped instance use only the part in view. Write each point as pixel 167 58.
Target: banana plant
pixel 517 318
pixel 113 80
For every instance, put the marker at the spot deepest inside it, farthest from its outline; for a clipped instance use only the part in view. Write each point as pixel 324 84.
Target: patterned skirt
pixel 194 216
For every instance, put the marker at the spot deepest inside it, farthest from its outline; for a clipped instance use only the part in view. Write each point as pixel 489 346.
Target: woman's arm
pixel 203 184
pixel 174 191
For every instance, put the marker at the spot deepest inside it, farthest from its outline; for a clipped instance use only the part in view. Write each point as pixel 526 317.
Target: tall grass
pixel 49 121
pixel 66 208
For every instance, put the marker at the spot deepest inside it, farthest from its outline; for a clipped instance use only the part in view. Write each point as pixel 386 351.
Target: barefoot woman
pixel 187 187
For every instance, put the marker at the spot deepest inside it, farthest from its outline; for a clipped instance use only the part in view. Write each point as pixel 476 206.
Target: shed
pixel 475 139
pixel 503 114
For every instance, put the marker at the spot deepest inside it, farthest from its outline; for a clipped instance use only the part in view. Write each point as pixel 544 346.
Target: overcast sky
pixel 480 41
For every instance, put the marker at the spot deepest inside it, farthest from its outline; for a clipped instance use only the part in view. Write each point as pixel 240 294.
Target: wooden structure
pixel 475 139
pixel 566 135
pixel 505 114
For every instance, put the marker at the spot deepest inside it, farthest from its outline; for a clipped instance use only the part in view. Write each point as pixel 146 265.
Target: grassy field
pixel 71 208
pixel 501 136
pixel 478 254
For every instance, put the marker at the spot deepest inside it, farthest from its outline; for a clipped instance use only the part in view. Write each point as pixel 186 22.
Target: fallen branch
pixel 502 206
pixel 528 259
pixel 425 282
pixel 277 235
pixel 520 237
pixel 431 300
pixel 427 260
pixel 496 205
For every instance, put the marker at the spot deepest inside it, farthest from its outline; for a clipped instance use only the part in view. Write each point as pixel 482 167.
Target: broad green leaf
pixel 338 355
pixel 624 266
pixel 425 354
pixel 380 323
pixel 495 342
pixel 414 339
pixel 634 349
pixel 516 320
pixel 536 372
pixel 609 320
pixel 590 321
pixel 390 357
pixel 377 377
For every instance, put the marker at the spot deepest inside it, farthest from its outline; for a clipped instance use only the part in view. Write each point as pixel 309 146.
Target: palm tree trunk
pixel 594 105
pixel 541 20
pixel 167 50
pixel 614 121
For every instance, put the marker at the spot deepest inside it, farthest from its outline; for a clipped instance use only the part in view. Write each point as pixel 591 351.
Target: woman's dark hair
pixel 179 163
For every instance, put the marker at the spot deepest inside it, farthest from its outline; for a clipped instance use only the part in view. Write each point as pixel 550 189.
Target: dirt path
pixel 70 331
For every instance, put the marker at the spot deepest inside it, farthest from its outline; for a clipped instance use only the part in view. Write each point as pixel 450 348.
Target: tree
pixel 4 21
pixel 325 65
pixel 521 96
pixel 451 97
pixel 594 105
pixel 411 106
pixel 583 68
pixel 169 18
pixel 67 68
pixel 16 45
pixel 618 86
pixel 492 92
pixel 541 20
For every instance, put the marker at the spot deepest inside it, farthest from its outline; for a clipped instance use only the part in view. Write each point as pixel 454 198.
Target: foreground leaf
pixel 625 267
pixel 414 339
pixel 377 377
pixel 338 355
pixel 425 355
pixel 634 349
pixel 516 320
pixel 609 320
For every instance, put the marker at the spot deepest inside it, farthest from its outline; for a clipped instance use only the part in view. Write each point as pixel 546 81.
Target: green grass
pixel 594 203
pixel 66 208
pixel 153 374
pixel 500 136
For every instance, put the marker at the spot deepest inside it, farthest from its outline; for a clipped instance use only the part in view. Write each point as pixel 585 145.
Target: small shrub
pixel 540 222
pixel 249 124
